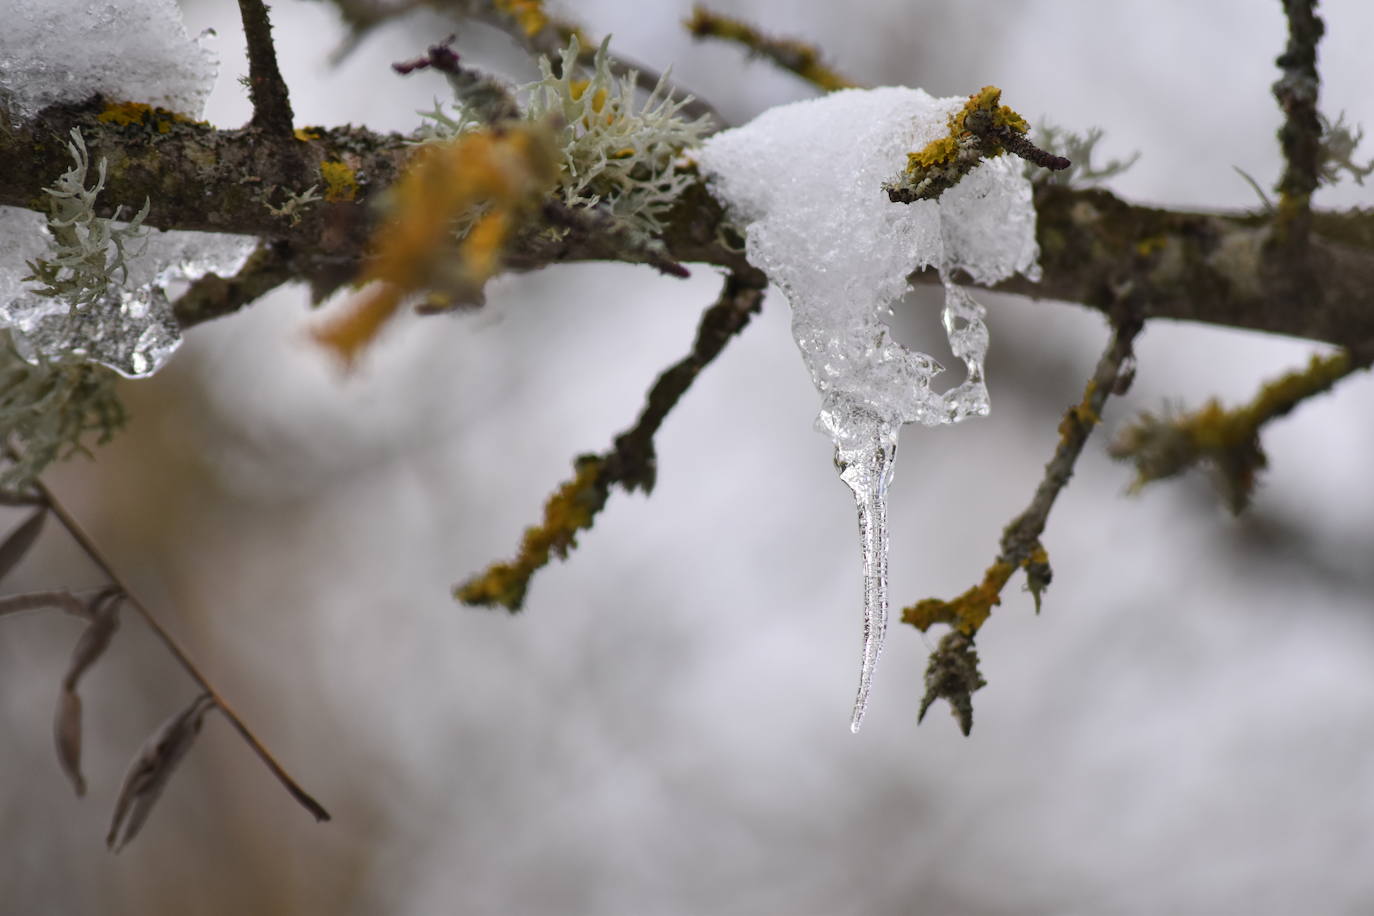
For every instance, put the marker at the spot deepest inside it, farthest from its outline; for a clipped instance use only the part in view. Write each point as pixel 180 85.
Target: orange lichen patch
pixel 934 153
pixel 572 508
pixel 501 173
pixel 529 15
pixel 1226 440
pixel 970 610
pixel 124 114
pixel 340 183
pixel 1081 417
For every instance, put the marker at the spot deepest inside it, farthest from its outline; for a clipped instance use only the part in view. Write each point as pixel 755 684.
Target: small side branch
pixel 1227 441
pixel 213 296
pixel 271 99
pixel 630 463
pixel 790 54
pixel 952 673
pixel 1301 133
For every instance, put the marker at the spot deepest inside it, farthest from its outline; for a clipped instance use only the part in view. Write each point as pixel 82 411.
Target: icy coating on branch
pixel 104 298
pixel 68 50
pixel 806 182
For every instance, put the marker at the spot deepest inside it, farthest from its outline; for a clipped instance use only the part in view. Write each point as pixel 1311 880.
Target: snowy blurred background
pixel 1187 728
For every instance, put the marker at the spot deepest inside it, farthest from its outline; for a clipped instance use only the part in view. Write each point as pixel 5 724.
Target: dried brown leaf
pixel 152 769
pixel 35 601
pixel 103 610
pixel 67 732
pixel 17 545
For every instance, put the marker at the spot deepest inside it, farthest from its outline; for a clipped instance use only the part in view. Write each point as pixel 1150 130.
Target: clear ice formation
pixel 135 50
pixel 131 329
pixel 131 50
pixel 805 180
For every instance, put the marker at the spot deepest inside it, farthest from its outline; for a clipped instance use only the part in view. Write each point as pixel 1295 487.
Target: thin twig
pixel 952 673
pixel 1020 547
pixel 630 463
pixel 1301 133
pixel 213 296
pixel 1227 441
pixel 271 98
pixel 790 54
pixel 89 546
pixel 1021 537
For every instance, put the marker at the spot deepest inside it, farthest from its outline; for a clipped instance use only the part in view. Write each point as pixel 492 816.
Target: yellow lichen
pixel 572 508
pixel 340 184
pixel 124 114
pixel 1148 246
pixel 529 15
pixel 306 134
pixel 935 153
pixel 968 612
pixel 1080 417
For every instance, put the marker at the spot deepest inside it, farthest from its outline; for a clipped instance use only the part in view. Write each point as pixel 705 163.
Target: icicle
pixel 868 471
pixel 806 182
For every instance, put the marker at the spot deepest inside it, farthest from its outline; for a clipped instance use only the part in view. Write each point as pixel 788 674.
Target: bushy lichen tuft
pixel 48 410
pixel 615 152
pixel 88 251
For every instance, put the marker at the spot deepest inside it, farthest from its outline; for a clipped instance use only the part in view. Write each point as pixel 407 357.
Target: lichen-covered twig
pixel 1301 133
pixel 981 129
pixel 952 673
pixel 630 463
pixel 788 53
pixel 97 556
pixel 1227 441
pixel 271 99
pixel 486 97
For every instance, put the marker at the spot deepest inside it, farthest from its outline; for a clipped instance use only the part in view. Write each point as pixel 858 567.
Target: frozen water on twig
pixel 68 50
pixel 134 50
pixel 805 180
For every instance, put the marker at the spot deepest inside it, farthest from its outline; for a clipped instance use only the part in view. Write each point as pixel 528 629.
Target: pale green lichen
pixel 294 206
pixel 48 410
pixel 1337 151
pixel 49 405
pixel 88 250
pixel 1079 149
pixel 614 153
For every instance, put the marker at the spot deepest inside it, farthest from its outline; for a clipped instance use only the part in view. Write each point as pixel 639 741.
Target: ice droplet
pixel 805 181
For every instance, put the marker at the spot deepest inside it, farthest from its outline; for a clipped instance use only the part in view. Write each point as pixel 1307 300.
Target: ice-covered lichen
pixel 806 183
pixel 98 292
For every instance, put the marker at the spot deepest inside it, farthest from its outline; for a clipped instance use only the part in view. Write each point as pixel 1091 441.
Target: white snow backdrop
pixel 1188 727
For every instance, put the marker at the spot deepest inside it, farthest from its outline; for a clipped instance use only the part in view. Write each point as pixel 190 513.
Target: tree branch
pixel 1301 133
pixel 1095 248
pixel 788 53
pixel 271 99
